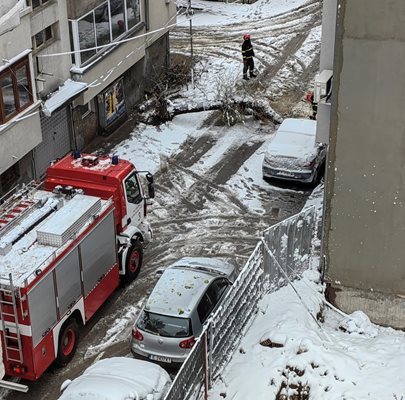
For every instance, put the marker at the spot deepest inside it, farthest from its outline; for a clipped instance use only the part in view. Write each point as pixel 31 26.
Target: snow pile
pixel 295 354
pixel 119 331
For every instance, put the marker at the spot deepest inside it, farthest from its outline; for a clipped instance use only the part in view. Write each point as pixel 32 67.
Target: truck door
pixel 134 201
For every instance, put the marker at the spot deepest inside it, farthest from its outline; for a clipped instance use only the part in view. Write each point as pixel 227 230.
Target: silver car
pixel 293 154
pixel 184 297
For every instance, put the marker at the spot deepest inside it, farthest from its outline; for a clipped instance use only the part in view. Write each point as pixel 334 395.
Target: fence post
pixel 266 258
pixel 206 367
pixel 210 353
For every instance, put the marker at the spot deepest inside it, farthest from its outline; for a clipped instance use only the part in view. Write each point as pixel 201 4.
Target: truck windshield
pixel 132 189
pixel 164 325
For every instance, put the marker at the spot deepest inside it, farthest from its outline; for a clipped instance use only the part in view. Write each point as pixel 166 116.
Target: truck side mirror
pixel 149 177
pixel 151 186
pixel 151 190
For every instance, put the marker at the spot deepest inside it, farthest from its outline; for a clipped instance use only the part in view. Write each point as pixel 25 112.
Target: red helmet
pixel 246 36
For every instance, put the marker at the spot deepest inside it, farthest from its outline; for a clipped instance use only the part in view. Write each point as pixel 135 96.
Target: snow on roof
pixel 65 92
pixel 295 138
pixel 22 253
pixel 10 14
pixel 119 378
pixel 177 291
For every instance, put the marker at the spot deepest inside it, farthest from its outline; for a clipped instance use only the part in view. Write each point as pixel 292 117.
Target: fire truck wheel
pixel 68 338
pixel 134 261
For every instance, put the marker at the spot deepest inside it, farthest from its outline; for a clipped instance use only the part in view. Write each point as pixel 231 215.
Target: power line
pixel 64 53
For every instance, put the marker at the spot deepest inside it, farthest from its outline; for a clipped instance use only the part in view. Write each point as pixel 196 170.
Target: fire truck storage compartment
pixel 68 281
pixel 98 253
pixel 42 303
pixel 98 256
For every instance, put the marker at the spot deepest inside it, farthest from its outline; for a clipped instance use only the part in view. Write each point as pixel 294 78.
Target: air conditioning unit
pixel 323 85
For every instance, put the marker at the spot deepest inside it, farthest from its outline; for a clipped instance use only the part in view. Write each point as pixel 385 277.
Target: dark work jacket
pixel 247 50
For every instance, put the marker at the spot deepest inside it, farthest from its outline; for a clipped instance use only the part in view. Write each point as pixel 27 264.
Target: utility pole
pixel 190 13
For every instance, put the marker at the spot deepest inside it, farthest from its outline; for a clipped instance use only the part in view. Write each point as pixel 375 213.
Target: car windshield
pixel 164 325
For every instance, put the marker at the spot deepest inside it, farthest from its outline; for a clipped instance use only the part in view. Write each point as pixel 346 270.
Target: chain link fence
pixel 282 255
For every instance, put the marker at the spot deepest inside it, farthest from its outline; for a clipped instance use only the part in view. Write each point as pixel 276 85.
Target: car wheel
pixel 67 344
pixel 134 261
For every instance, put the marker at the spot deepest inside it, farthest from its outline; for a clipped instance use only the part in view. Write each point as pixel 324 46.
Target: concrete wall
pixel 15 41
pixel 55 69
pixel 19 138
pixel 161 13
pixel 365 193
pixel 329 12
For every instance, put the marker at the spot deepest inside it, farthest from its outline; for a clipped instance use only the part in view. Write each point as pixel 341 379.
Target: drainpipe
pixel 147 26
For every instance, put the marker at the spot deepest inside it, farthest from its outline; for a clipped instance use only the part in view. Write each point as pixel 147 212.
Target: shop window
pixel 16 90
pixel 105 24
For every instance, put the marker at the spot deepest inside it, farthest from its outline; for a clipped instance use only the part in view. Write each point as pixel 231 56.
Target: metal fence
pixel 282 255
pixel 288 245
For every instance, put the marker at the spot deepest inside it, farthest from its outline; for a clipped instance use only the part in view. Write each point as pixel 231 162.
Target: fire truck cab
pixel 116 179
pixel 63 247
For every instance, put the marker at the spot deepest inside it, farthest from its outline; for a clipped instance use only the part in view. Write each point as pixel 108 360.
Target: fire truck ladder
pixel 9 292
pixel 16 206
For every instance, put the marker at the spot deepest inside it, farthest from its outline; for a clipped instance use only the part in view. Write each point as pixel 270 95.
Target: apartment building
pixel 364 214
pixel 70 70
pixel 20 130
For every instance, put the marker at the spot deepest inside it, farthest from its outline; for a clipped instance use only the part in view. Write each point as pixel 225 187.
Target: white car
pixel 293 154
pixel 118 378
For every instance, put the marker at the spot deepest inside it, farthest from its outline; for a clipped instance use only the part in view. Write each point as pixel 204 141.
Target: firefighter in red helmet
pixel 248 54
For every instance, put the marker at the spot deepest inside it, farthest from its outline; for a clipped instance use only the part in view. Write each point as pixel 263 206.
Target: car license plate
pixel 161 359
pixel 285 173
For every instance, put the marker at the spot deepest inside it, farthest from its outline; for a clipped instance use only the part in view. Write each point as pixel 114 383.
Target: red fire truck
pixel 64 246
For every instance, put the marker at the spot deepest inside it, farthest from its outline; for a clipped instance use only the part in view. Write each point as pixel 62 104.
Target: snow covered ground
pixel 301 347
pixel 335 357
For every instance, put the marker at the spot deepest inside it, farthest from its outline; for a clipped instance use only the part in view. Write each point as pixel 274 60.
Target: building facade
pixel 20 130
pixel 70 70
pixel 365 192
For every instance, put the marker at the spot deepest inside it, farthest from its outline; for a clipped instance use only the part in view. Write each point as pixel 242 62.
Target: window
pixel 217 289
pixel 37 3
pixel 85 110
pixel 103 25
pixel 132 189
pixel 165 325
pixel 87 39
pixel 42 38
pixel 16 90
pixel 204 308
pixel 133 13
